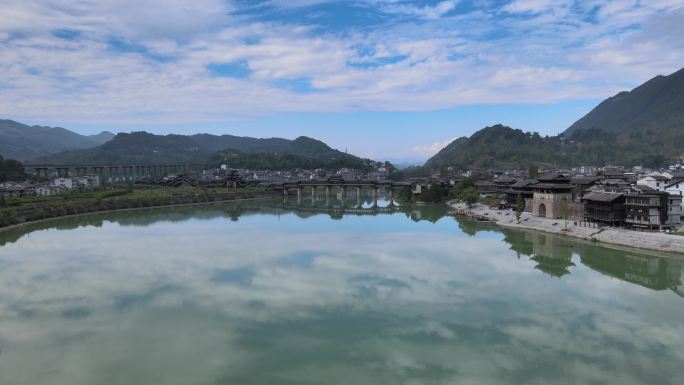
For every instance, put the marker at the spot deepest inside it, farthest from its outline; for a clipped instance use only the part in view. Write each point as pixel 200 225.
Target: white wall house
pixel 674 211
pixel 656 182
pixel 91 181
pixel 676 188
pixel 67 183
pixel 48 190
pixel 76 182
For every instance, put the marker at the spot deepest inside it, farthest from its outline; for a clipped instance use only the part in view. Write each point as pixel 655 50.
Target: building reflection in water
pixel 553 256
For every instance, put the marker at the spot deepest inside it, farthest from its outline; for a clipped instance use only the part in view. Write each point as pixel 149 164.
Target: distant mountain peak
pixel 644 126
pixel 656 104
pixel 23 142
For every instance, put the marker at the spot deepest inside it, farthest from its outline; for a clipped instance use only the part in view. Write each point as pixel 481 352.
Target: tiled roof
pixel 604 196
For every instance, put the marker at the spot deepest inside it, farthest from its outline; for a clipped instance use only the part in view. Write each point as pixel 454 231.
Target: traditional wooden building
pixel 522 187
pixel 503 183
pixel 611 173
pixel 604 207
pixel 646 211
pixel 486 187
pixel 552 196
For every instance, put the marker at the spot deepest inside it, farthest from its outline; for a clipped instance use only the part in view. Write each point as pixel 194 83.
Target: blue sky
pixel 381 78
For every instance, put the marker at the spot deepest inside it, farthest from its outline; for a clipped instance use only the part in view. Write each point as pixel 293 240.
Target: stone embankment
pixel 610 235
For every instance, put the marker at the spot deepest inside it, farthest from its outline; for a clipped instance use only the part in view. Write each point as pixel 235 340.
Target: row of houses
pixel 609 197
pixel 54 187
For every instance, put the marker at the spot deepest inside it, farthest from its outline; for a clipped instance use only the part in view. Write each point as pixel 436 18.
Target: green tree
pixel 470 196
pixel 519 205
pixel 11 170
pixel 456 191
pixel 405 194
pixel 432 194
pixel 565 212
pixel 533 171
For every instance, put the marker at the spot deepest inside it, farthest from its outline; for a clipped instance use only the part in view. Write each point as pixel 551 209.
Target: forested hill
pixel 507 148
pixel 642 127
pixel 143 147
pixel 657 105
pixel 24 142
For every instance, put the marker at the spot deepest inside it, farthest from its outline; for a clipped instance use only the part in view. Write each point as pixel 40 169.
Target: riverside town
pixel 336 192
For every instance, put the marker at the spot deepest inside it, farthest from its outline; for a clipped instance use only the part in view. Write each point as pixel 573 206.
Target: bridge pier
pixel 299 195
pixel 42 172
pixel 375 196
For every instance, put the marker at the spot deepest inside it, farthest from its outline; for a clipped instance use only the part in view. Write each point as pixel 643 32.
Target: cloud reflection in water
pixel 185 295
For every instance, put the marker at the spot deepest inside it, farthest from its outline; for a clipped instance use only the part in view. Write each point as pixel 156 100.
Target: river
pixel 266 292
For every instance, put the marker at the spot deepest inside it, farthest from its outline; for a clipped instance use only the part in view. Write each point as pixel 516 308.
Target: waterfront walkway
pixel 610 235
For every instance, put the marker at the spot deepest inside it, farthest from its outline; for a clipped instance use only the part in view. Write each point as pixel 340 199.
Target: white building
pixel 674 211
pixel 656 182
pixel 676 189
pixel 86 182
pixel 90 181
pixel 67 183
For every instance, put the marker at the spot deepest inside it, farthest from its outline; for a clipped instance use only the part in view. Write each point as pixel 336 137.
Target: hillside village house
pixel 552 196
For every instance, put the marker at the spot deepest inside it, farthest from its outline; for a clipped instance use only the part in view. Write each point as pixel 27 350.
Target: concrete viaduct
pixel 127 171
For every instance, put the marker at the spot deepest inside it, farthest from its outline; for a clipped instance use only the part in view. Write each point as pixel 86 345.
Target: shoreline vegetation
pixel 18 212
pixel 606 236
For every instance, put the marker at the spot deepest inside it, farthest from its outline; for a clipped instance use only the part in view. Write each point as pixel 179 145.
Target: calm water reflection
pixel 261 293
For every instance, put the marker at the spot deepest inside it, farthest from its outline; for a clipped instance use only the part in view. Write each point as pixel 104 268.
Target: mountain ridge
pixel 658 103
pixel 23 142
pixel 144 147
pixel 644 126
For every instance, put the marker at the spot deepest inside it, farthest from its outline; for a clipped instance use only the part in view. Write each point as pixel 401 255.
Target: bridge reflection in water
pixel 345 201
pixel 554 256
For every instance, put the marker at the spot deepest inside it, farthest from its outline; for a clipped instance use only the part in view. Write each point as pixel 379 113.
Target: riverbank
pixel 128 205
pixel 608 235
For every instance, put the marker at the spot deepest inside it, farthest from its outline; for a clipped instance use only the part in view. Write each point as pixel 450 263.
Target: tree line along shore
pixel 14 211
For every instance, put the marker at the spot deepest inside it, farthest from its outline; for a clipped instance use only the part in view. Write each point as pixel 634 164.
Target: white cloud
pixel 425 12
pixel 433 148
pixel 160 74
pixel 531 6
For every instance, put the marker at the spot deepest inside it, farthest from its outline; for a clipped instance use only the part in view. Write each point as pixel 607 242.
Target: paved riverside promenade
pixel 610 235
